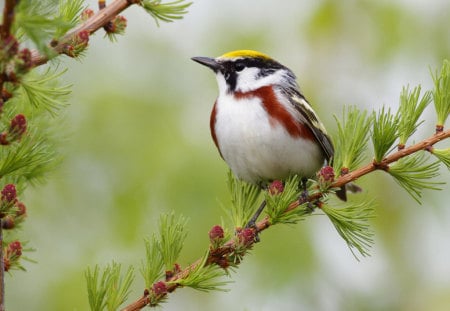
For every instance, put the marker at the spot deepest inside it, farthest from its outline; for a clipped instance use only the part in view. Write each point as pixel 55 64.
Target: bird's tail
pixel 350 187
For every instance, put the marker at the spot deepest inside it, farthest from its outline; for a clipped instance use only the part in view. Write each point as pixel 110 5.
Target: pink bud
pixel 216 233
pixel 25 57
pixel 326 174
pixel 344 171
pixel 86 14
pixel 9 193
pixel 176 268
pixel 15 248
pixel 4 138
pixel 84 36
pixel 18 126
pixel 276 187
pixel 21 209
pixel 246 236
pixel 8 222
pixel 69 50
pixel 159 288
pixel 6 95
pixel 76 44
pixel 120 23
pixel 117 25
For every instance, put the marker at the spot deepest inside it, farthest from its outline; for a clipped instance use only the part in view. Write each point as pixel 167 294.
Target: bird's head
pixel 246 70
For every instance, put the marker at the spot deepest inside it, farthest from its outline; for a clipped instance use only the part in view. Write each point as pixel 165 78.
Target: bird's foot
pixel 304 196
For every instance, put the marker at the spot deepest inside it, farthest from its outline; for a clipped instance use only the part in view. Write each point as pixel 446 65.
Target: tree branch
pixel 8 18
pixel 94 23
pixel 2 270
pixel 229 247
pixel 5 33
pixel 422 145
pixel 384 164
pixel 138 304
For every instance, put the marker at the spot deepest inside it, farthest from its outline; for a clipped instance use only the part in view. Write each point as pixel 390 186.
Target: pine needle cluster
pixel 355 124
pixel 165 12
pixel 108 289
pixel 161 270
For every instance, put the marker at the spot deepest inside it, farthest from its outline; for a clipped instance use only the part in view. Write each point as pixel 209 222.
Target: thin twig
pixel 94 23
pixel 5 33
pixel 8 18
pixel 5 29
pixel 2 271
pixel 138 304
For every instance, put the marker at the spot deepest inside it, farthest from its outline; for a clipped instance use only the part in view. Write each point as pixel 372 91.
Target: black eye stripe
pixel 231 79
pixel 230 69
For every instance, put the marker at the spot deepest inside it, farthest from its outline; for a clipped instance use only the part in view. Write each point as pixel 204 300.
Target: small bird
pixel 262 125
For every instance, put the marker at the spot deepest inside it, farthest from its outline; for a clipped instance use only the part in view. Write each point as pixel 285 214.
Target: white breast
pixel 257 150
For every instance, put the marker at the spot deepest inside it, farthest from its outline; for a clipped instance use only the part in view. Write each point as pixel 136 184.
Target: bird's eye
pixel 239 66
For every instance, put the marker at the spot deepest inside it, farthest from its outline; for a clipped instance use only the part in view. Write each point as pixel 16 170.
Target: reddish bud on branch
pixel 117 25
pixel 216 236
pixel 15 248
pixel 86 14
pixel 325 176
pixel 21 209
pixel 246 237
pixel 18 125
pixel 4 138
pixel 6 95
pixel 83 36
pixel 17 128
pixel 170 273
pixel 11 254
pixel 9 193
pixel 8 222
pixel 25 62
pixel 276 187
pixel 159 288
pixel 216 233
pixel 76 44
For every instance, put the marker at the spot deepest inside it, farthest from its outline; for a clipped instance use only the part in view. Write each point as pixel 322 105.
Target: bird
pixel 262 125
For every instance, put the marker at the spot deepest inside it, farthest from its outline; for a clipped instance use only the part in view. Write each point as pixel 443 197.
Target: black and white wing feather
pixel 309 117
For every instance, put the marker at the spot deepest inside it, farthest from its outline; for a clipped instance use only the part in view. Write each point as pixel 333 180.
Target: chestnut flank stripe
pixel 278 113
pixel 212 126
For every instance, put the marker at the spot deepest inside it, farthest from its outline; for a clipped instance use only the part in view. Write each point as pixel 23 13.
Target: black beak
pixel 208 62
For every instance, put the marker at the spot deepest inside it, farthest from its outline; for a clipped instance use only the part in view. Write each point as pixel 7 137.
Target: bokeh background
pixel 137 143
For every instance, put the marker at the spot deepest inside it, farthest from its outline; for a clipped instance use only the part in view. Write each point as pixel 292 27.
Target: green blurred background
pixel 137 143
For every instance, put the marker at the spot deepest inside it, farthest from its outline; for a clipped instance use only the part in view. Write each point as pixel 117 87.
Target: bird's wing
pixel 309 117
